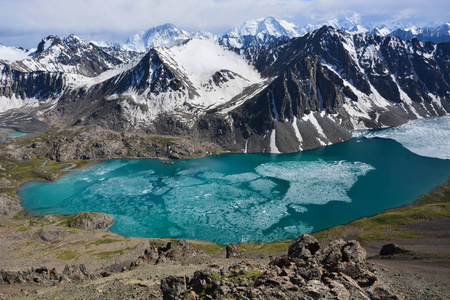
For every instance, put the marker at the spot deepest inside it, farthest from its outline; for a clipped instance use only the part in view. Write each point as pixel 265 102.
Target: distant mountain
pixel 14 54
pixel 72 55
pixel 259 32
pixel 165 35
pixel 435 34
pixel 263 31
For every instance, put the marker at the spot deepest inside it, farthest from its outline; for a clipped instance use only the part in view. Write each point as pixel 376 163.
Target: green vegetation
pixel 103 241
pixel 251 274
pixel 275 247
pixel 391 224
pixel 67 255
pixel 211 248
pixel 18 172
pixel 111 254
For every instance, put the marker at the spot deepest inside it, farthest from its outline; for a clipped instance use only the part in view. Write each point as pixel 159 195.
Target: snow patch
pixel 273 145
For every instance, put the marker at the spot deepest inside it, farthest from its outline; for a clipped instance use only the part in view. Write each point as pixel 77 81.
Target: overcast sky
pixel 25 22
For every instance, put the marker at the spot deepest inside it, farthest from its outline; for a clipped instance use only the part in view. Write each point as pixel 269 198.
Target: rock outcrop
pixel 91 221
pixel 338 271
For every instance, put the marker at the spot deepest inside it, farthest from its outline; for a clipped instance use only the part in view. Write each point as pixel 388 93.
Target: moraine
pixel 256 197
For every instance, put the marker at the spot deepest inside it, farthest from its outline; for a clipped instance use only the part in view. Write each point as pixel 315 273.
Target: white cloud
pixel 30 20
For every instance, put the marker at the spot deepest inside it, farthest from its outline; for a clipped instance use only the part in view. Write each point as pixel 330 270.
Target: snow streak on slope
pixel 200 60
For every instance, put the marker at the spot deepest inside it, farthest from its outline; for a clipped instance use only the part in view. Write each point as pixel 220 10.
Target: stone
pixel 91 221
pixel 173 287
pixel 331 255
pixel 392 249
pixel 316 289
pixel 353 252
pixel 4 183
pixel 305 241
pixel 233 250
pixel 381 292
pixel 339 290
pixel 9 205
pixel 49 235
pixel 77 272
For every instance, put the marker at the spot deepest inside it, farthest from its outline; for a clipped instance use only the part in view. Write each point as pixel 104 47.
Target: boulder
pixel 48 235
pixel 91 221
pixel 173 287
pixel 233 250
pixel 9 205
pixel 302 243
pixel 77 272
pixel 392 249
pixel 4 183
pixel 354 253
pixel 381 292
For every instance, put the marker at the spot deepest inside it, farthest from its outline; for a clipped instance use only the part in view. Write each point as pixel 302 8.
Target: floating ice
pixel 425 137
pixel 205 203
pixel 316 182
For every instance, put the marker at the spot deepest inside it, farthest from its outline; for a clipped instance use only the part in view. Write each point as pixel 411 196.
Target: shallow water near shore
pixel 254 197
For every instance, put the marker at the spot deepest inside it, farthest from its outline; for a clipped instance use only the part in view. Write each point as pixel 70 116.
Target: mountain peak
pixel 165 35
pixel 259 31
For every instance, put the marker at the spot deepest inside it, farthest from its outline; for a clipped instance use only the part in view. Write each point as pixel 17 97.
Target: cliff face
pixel 284 97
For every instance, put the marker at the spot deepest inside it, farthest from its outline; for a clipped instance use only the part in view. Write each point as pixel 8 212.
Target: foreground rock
pixel 91 221
pixel 339 271
pixel 9 205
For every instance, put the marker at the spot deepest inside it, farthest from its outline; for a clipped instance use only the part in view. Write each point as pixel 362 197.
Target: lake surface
pixel 256 197
pixel 14 134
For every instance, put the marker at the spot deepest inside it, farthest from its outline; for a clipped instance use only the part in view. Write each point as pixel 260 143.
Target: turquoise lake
pixel 256 197
pixel 14 134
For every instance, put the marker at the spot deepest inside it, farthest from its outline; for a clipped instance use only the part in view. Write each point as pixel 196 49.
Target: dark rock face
pixel 339 271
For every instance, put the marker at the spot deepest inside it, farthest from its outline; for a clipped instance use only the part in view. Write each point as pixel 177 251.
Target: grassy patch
pixel 251 274
pixel 211 248
pixel 103 241
pixel 390 224
pixel 67 255
pixel 111 254
pixel 18 172
pixel 23 246
pixel 275 247
pixel 23 228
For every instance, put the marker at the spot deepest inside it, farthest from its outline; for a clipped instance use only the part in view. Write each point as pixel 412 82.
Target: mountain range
pixel 267 86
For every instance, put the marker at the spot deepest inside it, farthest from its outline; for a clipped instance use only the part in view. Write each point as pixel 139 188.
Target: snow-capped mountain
pixel 259 32
pixel 281 91
pixel 165 35
pixel 282 97
pixel 382 30
pixel 434 34
pixel 73 55
pixel 14 54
